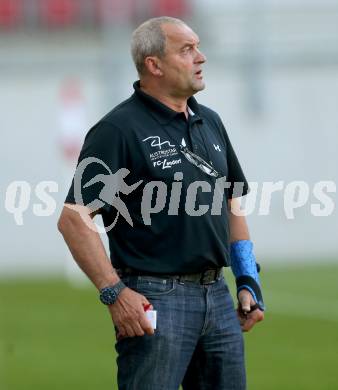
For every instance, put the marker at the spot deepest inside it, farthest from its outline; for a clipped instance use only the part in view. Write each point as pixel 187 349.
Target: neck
pixel 176 103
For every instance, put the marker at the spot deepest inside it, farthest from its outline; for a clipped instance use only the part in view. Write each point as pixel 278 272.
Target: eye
pixel 186 49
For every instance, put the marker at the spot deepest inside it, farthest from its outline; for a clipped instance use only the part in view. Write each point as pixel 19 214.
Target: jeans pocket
pixel 153 286
pixel 222 284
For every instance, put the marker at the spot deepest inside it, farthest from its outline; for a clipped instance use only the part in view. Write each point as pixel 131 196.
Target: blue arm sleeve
pixel 245 269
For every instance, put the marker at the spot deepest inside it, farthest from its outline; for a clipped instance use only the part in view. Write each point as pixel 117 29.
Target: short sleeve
pixel 238 183
pixel 103 153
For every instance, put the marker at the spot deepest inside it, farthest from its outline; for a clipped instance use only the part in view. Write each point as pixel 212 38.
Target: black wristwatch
pixel 109 294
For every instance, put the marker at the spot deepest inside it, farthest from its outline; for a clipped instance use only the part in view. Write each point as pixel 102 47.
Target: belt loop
pixel 201 278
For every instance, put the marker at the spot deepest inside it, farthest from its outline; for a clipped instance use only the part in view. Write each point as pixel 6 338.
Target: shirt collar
pixel 162 113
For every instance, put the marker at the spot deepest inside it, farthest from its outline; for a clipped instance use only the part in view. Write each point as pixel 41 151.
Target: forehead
pixel 179 35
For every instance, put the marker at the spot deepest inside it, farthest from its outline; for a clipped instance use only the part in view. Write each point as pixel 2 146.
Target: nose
pixel 200 57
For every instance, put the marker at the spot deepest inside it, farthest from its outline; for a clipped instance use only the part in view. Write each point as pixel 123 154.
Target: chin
pixel 198 86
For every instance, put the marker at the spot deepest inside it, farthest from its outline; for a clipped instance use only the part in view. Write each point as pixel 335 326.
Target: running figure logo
pixel 114 184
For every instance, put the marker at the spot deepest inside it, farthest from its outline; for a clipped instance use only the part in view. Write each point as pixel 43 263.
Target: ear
pixel 153 66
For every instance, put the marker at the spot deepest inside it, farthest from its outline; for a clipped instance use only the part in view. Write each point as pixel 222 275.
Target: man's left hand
pixel 247 318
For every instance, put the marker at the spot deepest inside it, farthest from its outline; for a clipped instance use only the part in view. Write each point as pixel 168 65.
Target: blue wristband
pixel 245 269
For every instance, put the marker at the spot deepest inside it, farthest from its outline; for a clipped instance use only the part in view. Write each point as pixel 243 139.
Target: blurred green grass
pixel 55 336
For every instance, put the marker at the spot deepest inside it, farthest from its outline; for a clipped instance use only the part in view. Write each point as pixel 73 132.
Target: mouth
pixel 199 74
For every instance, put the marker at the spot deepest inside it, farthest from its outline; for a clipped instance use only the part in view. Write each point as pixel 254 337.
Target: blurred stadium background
pixel 272 74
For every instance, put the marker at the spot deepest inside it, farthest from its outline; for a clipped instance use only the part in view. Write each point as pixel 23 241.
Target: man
pixel 169 244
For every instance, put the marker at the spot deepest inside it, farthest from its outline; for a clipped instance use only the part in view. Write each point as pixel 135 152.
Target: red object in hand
pixel 146 307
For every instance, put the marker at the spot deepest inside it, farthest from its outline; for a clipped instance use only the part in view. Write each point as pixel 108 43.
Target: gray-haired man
pixel 172 260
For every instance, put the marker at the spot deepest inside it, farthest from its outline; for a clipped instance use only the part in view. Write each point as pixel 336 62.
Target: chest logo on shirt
pixel 161 157
pixel 156 142
pixel 217 147
pixel 166 164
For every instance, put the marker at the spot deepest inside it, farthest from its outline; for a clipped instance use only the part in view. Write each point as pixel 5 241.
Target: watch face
pixel 108 296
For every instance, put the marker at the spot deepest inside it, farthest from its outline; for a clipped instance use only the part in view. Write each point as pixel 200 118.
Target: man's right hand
pixel 129 316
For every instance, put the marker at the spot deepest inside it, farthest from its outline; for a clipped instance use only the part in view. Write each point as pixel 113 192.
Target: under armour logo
pixel 217 147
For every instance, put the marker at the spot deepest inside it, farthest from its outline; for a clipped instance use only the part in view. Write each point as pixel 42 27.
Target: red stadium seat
pixel 10 12
pixel 60 12
pixel 175 8
pixel 113 10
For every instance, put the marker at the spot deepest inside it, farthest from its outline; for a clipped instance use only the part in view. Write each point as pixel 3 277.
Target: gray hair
pixel 150 40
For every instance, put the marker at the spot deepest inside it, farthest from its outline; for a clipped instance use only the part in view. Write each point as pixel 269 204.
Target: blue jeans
pixel 198 341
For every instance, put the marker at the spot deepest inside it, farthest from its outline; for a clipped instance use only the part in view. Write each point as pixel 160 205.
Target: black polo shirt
pixel 142 136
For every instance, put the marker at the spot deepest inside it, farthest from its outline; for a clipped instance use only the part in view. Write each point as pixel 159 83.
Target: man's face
pixel 182 62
